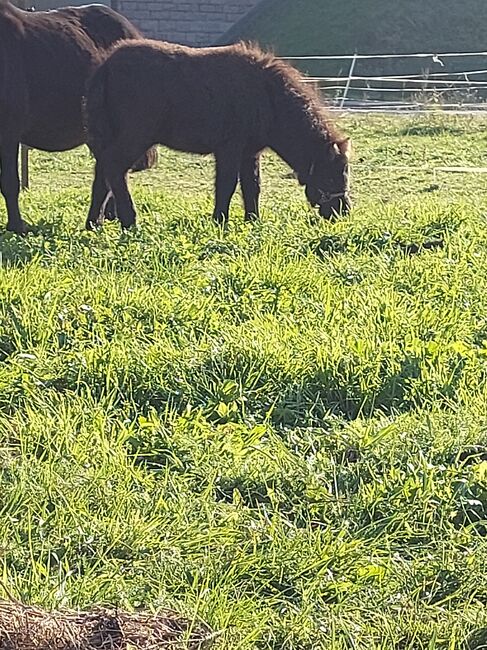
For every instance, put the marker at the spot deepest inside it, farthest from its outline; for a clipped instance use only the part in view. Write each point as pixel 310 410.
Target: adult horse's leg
pixel 227 168
pixel 250 183
pixel 10 185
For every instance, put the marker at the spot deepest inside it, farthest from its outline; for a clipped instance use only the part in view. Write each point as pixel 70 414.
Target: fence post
pixel 349 80
pixel 24 166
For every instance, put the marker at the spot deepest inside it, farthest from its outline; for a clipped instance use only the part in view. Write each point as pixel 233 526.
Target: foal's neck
pixel 298 133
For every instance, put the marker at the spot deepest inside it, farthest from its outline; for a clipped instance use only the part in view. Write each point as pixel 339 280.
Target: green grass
pixel 373 27
pixel 280 428
pixel 305 27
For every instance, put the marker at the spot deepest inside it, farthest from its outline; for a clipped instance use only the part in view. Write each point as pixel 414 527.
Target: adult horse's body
pixel 230 101
pixel 45 60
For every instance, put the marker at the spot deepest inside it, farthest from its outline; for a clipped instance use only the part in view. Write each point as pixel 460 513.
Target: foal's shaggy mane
pixel 304 95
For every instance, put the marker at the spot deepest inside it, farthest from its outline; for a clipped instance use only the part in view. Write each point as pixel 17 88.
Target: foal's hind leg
pixel 227 167
pixel 250 184
pixel 109 209
pixel 123 200
pixel 116 177
pixel 10 185
pixel 116 161
pixel 98 199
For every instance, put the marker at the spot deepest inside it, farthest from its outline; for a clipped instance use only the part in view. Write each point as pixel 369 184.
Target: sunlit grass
pixel 280 428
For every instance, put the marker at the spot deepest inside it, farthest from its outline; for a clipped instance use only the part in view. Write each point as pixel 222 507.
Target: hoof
pixel 109 210
pixel 220 220
pixel 21 228
pixel 251 217
pixel 93 226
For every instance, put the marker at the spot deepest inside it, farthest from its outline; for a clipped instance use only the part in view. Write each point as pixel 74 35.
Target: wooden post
pixel 24 166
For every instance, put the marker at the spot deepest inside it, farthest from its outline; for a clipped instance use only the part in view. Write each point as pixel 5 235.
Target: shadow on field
pixel 476 641
pixel 431 130
pixel 49 228
pixel 241 382
pixel 311 401
pixel 334 244
pixel 16 250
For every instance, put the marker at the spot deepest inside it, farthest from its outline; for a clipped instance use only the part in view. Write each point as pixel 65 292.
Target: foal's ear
pixel 344 147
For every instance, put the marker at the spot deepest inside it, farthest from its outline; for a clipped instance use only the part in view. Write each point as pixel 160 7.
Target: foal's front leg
pixel 10 185
pixel 227 167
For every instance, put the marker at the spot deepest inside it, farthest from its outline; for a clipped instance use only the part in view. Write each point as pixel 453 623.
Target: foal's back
pixel 193 98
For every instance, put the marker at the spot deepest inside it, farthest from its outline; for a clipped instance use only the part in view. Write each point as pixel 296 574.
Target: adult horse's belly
pixel 54 117
pixel 46 138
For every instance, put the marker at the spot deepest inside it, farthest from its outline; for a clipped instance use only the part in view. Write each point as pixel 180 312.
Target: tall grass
pixel 281 428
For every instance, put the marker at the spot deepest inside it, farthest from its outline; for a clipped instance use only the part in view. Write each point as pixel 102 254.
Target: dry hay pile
pixel 30 628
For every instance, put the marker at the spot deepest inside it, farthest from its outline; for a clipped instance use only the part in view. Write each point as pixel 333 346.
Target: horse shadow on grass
pixel 477 640
pixel 306 401
pixel 15 250
pixel 45 236
pixel 431 130
pixel 312 399
pixel 337 244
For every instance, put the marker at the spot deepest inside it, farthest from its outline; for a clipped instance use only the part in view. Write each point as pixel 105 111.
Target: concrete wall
pixel 192 22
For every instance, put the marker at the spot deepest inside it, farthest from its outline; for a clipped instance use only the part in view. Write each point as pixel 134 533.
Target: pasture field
pixel 282 428
pixel 303 27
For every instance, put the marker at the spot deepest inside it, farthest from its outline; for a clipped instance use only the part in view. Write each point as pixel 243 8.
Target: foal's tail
pixel 99 127
pixel 99 119
pixel 148 160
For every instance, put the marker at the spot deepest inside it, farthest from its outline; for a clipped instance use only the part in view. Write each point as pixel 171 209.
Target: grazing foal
pixel 46 58
pixel 230 101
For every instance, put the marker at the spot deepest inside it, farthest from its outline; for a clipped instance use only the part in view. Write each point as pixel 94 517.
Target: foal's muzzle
pixel 332 205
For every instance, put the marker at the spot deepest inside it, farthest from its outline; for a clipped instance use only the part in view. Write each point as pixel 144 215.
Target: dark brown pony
pixel 45 61
pixel 230 101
